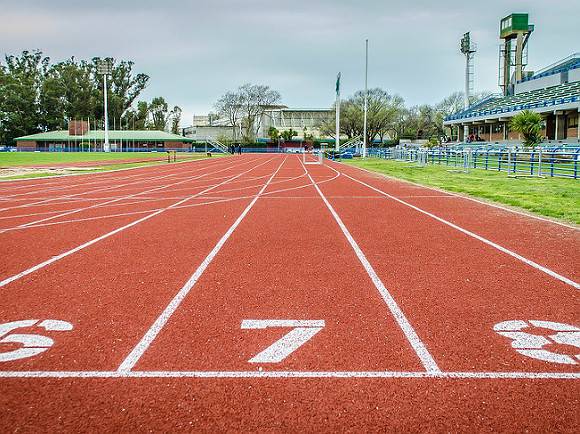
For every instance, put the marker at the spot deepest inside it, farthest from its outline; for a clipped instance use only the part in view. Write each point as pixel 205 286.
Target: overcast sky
pixel 194 51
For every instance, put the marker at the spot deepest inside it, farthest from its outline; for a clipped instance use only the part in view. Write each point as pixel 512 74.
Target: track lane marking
pixel 473 235
pixel 94 190
pixel 295 374
pixel 460 196
pixel 115 231
pixel 95 178
pixel 406 327
pixel 131 360
pixel 212 200
pixel 114 200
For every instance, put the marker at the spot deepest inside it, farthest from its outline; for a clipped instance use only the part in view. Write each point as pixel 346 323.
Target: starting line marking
pixel 294 374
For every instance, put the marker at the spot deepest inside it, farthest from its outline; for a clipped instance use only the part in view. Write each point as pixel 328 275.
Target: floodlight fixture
pixel 105 67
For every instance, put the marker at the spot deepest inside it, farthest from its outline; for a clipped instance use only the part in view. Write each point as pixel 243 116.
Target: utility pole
pixel 337 137
pixel 364 152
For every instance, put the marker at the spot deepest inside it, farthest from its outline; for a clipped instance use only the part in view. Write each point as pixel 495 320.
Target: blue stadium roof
pixel 550 97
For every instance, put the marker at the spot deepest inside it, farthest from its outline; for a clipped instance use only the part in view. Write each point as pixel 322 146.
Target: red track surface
pixel 156 268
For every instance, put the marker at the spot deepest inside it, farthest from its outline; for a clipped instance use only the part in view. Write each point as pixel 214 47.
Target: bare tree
pixel 229 107
pixel 244 108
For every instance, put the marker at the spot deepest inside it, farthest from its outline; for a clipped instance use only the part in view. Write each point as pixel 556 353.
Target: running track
pixel 257 293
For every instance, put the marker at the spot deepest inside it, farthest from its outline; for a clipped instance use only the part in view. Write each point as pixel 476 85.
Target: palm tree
pixel 528 124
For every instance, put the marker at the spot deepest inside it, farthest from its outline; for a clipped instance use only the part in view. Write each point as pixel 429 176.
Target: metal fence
pixel 515 162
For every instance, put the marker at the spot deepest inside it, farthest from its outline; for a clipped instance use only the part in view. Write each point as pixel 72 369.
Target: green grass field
pixel 104 161
pixel 16 159
pixel 552 197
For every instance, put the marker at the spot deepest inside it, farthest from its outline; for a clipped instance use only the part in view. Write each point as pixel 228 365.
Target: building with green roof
pixel 78 139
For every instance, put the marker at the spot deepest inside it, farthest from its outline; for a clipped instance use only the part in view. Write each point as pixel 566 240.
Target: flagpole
pixel 364 152
pixel 337 137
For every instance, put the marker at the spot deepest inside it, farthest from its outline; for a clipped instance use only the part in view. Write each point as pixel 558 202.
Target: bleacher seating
pixel 550 96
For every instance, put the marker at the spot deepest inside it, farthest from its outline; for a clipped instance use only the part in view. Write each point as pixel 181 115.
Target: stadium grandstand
pixel 553 91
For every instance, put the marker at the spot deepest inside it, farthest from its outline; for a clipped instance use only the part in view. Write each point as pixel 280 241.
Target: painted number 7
pixel 302 331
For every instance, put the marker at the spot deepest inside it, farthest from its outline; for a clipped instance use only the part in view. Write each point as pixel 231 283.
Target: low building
pixel 554 92
pixel 82 139
pixel 304 121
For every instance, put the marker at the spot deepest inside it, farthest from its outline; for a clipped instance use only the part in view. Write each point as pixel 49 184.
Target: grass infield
pixel 104 161
pixel 551 197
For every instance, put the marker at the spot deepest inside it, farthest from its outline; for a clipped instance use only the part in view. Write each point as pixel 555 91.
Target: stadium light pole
pixel 364 152
pixel 105 68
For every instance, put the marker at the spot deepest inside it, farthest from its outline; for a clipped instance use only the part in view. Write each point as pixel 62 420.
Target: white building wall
pixel 207 132
pixel 574 75
pixel 538 83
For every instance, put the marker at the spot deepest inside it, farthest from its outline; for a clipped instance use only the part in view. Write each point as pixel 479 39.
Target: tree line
pixel 387 115
pixel 37 96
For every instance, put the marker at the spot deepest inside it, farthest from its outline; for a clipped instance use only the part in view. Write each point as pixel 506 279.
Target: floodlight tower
pixel 513 27
pixel 105 68
pixel 468 48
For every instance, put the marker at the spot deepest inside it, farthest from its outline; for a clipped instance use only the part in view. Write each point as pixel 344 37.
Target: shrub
pixel 528 124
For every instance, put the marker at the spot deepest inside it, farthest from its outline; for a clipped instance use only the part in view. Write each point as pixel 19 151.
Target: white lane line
pixel 114 200
pixel 93 178
pixel 474 235
pixel 295 374
pixel 41 222
pixel 212 200
pixel 116 231
pixel 463 196
pixel 62 184
pixel 134 356
pixel 96 190
pixel 418 345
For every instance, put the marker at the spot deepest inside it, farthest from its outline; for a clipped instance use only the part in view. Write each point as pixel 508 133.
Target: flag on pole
pixel 338 83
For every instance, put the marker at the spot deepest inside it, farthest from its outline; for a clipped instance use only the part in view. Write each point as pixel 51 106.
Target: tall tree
pixel 20 86
pixel 175 119
pixel 158 110
pixel 137 119
pixel 37 96
pixel 383 111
